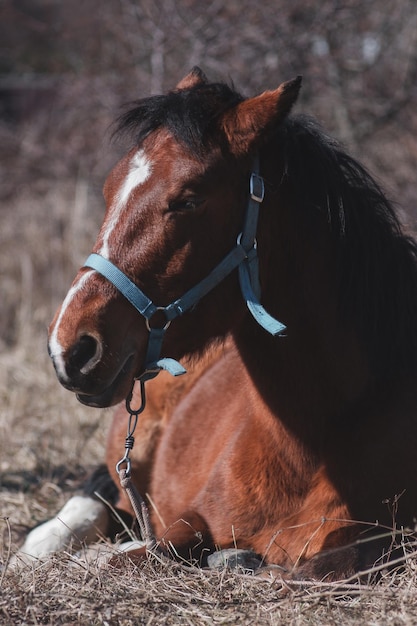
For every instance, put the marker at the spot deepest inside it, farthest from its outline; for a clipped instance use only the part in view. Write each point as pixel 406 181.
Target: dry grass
pixel 64 590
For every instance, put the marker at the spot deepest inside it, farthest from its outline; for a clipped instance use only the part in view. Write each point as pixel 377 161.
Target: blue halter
pixel 244 256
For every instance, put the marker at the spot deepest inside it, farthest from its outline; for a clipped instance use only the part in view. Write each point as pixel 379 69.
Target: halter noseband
pixel 243 255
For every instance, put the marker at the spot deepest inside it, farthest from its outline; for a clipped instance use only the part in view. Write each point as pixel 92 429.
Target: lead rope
pixel 139 506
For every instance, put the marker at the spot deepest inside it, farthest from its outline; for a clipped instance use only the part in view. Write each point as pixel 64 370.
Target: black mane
pixel 189 114
pixel 377 261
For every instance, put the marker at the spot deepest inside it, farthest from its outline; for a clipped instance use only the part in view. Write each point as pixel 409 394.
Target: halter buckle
pixel 257 187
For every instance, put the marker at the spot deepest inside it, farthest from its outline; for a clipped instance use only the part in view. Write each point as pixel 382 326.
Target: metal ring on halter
pixel 147 319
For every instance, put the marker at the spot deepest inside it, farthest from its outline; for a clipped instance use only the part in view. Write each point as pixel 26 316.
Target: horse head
pixel 175 206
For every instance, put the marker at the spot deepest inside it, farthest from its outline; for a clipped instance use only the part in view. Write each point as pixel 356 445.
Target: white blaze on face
pixel 139 172
pixel 55 348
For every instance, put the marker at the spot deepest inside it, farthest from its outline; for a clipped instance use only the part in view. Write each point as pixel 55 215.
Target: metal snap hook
pixel 124 460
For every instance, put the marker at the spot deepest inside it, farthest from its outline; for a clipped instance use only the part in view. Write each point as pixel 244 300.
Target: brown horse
pixel 297 446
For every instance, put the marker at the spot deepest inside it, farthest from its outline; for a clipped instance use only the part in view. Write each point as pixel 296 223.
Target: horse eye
pixel 187 204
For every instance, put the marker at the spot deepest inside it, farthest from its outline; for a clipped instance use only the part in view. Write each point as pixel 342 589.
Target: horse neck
pixel 318 368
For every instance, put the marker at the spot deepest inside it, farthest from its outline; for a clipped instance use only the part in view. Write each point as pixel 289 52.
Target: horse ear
pixel 195 77
pixel 247 124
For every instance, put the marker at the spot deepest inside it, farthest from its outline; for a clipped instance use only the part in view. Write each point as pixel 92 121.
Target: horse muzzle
pixel 81 369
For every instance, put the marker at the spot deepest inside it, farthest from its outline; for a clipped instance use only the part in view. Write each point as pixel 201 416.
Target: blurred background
pixel 66 68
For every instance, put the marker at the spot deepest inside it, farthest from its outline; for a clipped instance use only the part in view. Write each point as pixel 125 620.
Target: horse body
pixel 281 445
pixel 280 453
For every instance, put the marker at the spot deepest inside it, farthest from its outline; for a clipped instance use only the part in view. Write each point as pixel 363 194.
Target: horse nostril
pixel 84 355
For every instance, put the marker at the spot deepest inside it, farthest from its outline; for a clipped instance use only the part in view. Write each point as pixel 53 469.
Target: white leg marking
pixel 55 348
pixel 128 546
pixel 82 519
pixel 99 554
pixel 139 172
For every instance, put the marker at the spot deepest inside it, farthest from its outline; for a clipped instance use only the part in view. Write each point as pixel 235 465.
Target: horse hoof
pixel 232 558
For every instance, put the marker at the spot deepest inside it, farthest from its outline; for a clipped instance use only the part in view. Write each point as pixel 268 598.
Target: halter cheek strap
pixel 243 255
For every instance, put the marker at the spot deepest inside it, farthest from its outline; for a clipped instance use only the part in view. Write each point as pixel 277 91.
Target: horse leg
pixel 86 518
pixel 188 540
pixel 81 520
pixel 317 539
